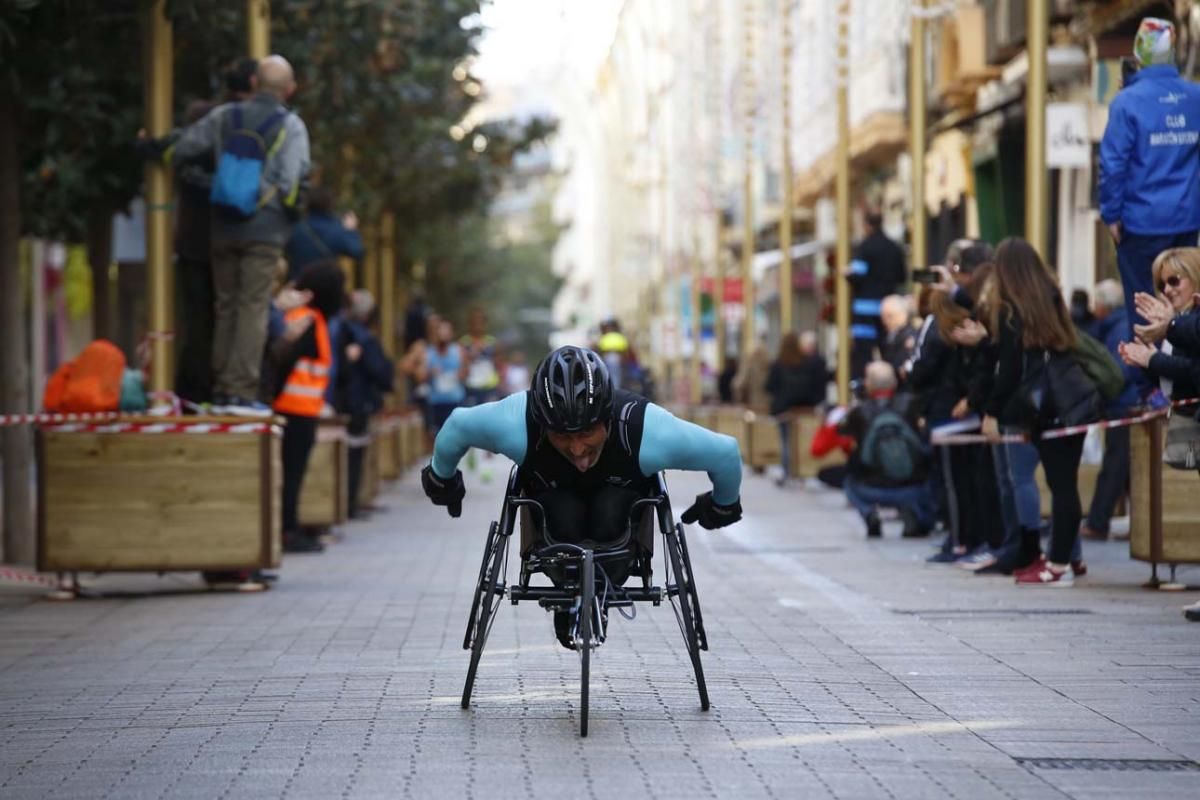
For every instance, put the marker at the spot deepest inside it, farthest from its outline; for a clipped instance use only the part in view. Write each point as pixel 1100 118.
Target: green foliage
pixel 381 85
pixel 469 262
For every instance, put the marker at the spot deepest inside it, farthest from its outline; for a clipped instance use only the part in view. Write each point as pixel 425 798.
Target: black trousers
pixel 299 434
pixel 599 516
pixel 193 377
pixel 1060 462
pixel 356 427
pixel 1113 481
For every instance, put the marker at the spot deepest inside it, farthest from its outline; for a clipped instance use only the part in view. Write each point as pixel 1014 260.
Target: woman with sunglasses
pixel 1173 362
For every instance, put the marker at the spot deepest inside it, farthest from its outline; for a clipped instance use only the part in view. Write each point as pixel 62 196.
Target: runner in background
pixel 482 354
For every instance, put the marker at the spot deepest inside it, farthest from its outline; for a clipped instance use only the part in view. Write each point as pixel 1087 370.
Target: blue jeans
pixel 785 454
pixel 917 499
pixel 1135 257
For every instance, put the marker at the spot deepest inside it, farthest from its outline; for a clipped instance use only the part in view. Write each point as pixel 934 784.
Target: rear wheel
pixel 585 637
pixel 682 595
pixel 487 600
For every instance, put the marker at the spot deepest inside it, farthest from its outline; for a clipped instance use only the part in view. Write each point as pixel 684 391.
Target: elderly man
pixel 1150 164
pixel 889 466
pixel 1112 325
pixel 247 244
pixel 899 345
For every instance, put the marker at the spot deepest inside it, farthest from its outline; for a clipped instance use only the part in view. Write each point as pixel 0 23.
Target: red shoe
pixel 1048 576
pixel 1037 565
pixel 1079 568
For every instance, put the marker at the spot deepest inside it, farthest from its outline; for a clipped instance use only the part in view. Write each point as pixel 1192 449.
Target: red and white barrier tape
pixel 1061 433
pixel 167 427
pixel 10 575
pixel 40 419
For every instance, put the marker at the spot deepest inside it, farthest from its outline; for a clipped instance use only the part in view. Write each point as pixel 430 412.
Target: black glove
pixel 710 515
pixel 448 492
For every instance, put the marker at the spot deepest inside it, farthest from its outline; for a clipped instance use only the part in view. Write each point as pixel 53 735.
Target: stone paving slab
pixel 838 668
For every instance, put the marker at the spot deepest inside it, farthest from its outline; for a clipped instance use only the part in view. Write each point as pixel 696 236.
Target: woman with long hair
pixel 1029 321
pixel 796 379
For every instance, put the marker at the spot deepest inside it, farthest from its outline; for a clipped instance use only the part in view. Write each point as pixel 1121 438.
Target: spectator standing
pixel 725 380
pixel 1150 164
pixel 889 466
pixel 444 370
pixel 1112 483
pixel 246 249
pixel 193 262
pixel 796 379
pixel 1175 364
pixel 899 344
pixel 750 383
pixel 322 235
pixel 364 377
pixel 1029 323
pixel 482 354
pixel 304 354
pixel 876 270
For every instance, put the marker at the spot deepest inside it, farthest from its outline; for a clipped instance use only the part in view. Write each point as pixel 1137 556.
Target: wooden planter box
pixel 390 460
pixel 368 487
pixel 803 464
pixel 1164 515
pixel 765 446
pixel 414 440
pixel 324 495
pixel 156 502
pixel 731 421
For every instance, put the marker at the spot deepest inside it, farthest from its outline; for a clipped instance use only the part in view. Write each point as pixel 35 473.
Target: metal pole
pixel 387 282
pixel 157 100
pixel 843 202
pixel 916 133
pixel 258 28
pixel 748 181
pixel 1037 192
pixel 789 202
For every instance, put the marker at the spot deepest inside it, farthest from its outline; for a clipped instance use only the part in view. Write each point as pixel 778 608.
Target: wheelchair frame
pixel 578 567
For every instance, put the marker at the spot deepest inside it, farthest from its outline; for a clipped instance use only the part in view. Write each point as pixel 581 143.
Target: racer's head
pixel 572 398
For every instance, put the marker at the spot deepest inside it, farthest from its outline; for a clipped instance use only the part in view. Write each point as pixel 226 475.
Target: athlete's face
pixel 583 448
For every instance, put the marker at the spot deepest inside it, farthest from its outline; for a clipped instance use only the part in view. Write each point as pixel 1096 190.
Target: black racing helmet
pixel 571 390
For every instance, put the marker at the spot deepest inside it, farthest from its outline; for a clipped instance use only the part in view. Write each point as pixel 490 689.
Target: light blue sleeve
pixel 498 427
pixel 671 443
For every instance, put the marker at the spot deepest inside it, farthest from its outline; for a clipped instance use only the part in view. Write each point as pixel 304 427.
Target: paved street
pixel 838 668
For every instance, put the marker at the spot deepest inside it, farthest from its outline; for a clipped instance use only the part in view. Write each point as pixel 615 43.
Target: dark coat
pixel 1182 366
pixel 886 267
pixel 797 385
pixel 361 384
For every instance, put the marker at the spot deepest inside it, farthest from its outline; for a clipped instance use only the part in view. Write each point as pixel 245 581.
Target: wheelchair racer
pixel 586 451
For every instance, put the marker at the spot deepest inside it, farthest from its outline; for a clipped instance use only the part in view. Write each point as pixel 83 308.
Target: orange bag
pixel 91 382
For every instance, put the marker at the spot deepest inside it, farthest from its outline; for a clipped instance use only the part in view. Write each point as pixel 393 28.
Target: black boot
pixel 874 526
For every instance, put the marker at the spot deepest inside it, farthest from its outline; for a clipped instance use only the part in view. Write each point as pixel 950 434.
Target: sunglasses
pixel 1172 281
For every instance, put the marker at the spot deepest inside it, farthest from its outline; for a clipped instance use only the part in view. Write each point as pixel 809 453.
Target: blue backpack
pixel 237 183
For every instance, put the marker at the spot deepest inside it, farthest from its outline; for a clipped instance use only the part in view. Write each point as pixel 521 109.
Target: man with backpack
pixel 261 152
pixel 889 465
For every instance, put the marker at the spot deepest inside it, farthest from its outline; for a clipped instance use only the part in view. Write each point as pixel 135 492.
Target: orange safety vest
pixel 303 394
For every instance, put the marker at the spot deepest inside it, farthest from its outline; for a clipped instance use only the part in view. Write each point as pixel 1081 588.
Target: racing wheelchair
pixel 582 574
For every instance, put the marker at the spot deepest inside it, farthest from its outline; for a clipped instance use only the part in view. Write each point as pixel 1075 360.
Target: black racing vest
pixel 546 468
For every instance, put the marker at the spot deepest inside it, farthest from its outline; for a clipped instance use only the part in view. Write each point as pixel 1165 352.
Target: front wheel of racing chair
pixel 681 589
pixel 488 590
